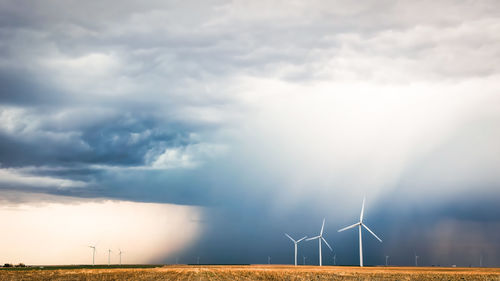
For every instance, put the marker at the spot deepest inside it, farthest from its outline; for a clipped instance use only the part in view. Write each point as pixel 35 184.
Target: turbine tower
pixel 416 260
pixel 93 253
pixel 359 225
pixel 295 244
pixel 320 237
pixel 386 260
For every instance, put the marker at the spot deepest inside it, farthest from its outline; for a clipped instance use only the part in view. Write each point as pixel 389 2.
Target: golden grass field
pixel 256 272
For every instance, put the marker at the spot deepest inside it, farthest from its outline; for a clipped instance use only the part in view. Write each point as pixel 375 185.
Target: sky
pixel 210 128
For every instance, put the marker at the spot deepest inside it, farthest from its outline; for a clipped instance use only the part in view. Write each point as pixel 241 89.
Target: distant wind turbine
pixel 416 260
pixel 304 259
pixel 109 257
pixel 120 254
pixel 320 237
pixel 295 244
pixel 359 225
pixel 93 253
pixel 386 260
pixel 335 259
pixel 269 260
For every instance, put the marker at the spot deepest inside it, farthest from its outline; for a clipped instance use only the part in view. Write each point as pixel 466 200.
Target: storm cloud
pixel 269 114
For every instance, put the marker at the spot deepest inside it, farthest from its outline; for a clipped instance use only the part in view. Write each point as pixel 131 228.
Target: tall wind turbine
pixel 295 244
pixel 359 225
pixel 386 260
pixel 416 260
pixel 320 237
pixel 93 253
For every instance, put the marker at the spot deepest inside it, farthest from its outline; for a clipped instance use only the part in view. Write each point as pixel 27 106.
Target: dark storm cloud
pixel 138 101
pixel 117 140
pixel 20 88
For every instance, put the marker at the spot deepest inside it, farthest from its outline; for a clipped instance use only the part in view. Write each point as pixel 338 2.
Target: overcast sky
pixel 247 119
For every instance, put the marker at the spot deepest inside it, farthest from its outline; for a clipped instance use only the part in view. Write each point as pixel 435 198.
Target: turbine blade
pixel 312 238
pixel 322 227
pixel 324 240
pixel 372 232
pixel 290 238
pixel 362 210
pixel 301 239
pixel 348 227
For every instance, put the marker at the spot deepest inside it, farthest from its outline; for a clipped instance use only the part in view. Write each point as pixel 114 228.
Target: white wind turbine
pixel 295 244
pixel 109 257
pixel 93 253
pixel 320 237
pixel 359 225
pixel 120 254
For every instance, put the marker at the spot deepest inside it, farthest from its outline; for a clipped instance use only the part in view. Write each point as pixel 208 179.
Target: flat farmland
pixel 253 272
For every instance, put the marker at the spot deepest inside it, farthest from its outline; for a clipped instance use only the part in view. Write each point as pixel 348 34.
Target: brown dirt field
pixel 257 272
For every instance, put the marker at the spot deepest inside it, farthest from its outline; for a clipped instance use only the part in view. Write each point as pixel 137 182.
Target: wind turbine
pixel 109 257
pixel 335 259
pixel 359 225
pixel 320 237
pixel 416 260
pixel 93 253
pixel 120 254
pixel 386 260
pixel 295 244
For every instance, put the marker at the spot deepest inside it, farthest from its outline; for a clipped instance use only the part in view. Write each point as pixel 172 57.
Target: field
pixel 253 272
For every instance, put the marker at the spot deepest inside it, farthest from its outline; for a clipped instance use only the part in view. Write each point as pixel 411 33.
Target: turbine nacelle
pixel 295 241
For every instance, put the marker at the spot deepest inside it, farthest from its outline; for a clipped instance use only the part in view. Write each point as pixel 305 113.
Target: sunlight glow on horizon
pixel 60 233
